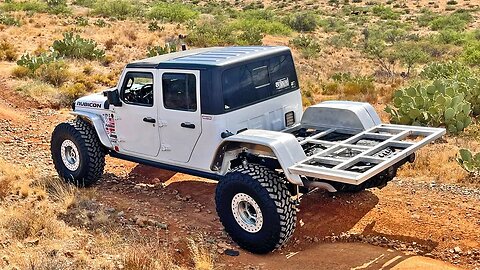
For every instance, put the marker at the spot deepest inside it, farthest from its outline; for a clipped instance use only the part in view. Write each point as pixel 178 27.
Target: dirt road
pixel 375 229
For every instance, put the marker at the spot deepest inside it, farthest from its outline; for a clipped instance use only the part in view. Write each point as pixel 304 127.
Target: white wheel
pixel 247 213
pixel 70 157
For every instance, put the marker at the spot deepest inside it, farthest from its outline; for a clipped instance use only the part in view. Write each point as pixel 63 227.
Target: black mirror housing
pixel 113 97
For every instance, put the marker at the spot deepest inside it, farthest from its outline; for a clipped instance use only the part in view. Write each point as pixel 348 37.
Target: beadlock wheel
pixel 247 213
pixel 69 152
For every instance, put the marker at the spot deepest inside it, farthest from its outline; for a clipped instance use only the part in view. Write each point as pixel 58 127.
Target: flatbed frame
pixel 325 165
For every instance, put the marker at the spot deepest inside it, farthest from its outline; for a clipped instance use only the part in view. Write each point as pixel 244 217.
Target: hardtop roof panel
pixel 214 56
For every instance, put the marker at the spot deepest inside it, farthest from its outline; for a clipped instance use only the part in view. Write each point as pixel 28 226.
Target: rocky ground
pixel 406 218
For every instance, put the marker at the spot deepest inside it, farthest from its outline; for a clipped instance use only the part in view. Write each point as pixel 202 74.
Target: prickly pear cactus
pixel 438 104
pixel 468 161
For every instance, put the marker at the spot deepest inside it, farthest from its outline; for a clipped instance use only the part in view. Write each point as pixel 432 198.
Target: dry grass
pixel 202 254
pixel 34 235
pixel 438 162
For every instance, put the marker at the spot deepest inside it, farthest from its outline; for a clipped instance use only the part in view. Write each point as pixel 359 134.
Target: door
pixel 136 120
pixel 179 115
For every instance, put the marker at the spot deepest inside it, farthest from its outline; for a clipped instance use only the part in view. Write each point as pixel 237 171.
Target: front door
pixel 136 119
pixel 179 116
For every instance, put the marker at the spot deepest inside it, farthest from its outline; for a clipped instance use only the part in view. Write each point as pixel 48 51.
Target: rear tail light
pixel 289 119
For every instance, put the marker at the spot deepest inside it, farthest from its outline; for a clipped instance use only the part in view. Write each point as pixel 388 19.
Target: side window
pixel 137 89
pixel 179 92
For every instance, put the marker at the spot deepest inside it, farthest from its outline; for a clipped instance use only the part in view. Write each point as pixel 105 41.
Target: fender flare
pixel 282 146
pixel 97 122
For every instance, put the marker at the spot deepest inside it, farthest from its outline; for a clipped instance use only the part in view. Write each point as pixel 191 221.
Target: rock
pixel 161 225
pixel 140 220
pixel 110 210
pixel 231 252
pixel 457 250
pixel 416 216
pixel 120 214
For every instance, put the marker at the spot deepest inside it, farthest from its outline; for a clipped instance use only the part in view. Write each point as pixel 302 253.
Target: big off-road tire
pixel 256 208
pixel 77 153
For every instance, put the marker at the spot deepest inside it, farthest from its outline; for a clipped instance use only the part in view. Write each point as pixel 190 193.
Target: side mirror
pixel 113 98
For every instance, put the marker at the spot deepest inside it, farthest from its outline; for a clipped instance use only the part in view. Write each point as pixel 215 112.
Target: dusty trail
pixel 368 230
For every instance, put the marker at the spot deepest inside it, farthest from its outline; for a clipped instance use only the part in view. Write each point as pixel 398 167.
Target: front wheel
pixel 77 153
pixel 255 207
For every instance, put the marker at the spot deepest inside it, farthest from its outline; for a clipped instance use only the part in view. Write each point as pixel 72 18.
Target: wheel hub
pixel 247 213
pixel 70 157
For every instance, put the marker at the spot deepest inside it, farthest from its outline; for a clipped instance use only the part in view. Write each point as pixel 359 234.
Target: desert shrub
pixel 85 3
pixel 309 46
pixel 159 50
pixel 57 6
pixel 76 47
pixel 385 12
pixel 333 25
pixel 219 32
pixel 353 85
pixel 55 73
pixel 81 21
pixel 21 72
pixel 261 25
pixel 456 21
pixel 426 17
pixel 153 26
pixel 172 12
pixel 344 39
pixel 471 53
pixel 409 54
pixel 438 103
pixel 449 36
pixel 469 161
pixel 7 51
pixel 101 23
pixel 302 21
pixel 69 93
pixel 6 19
pixel 263 20
pixel 29 5
pixel 120 9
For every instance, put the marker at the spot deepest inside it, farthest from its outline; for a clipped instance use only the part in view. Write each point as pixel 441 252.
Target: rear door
pixel 179 114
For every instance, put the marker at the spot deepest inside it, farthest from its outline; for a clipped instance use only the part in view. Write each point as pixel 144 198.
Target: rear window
pixel 258 81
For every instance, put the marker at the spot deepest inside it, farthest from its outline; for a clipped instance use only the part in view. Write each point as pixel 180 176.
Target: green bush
pixel 426 17
pixel 207 33
pixel 308 45
pixel 440 103
pixel 303 21
pixel 353 85
pixel 85 3
pixel 471 53
pixel 57 6
pixel 219 32
pixel 172 12
pixel 333 25
pixel 120 9
pixel 159 50
pixel 6 19
pixel 456 21
pixel 469 161
pixel 261 25
pixel 29 5
pixel 76 47
pixel 385 12
pixel 344 39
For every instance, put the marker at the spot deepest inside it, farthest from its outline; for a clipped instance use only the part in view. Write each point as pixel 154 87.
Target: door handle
pixel 149 120
pixel 187 125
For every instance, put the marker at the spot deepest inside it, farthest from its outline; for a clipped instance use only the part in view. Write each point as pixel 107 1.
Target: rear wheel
pixel 77 153
pixel 255 207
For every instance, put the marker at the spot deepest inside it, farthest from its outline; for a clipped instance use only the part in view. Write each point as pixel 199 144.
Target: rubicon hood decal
pixel 89 104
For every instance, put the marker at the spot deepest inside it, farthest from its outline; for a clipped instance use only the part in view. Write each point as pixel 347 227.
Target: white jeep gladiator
pixel 234 114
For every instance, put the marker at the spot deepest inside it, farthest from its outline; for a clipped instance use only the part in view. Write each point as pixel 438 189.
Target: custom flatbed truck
pixel 235 114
